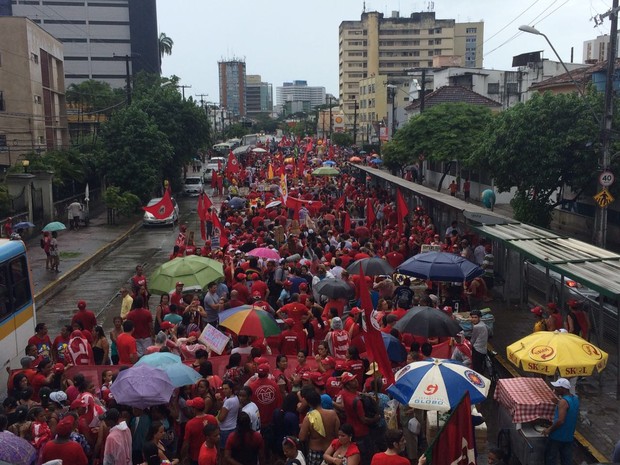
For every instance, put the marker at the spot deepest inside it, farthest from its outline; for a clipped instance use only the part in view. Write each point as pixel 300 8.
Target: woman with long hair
pixel 155 435
pixel 395 440
pixel 161 311
pixel 244 446
pixel 101 347
pixel 342 450
pixel 279 374
pixel 234 370
pixel 116 331
pixel 320 328
pixel 203 389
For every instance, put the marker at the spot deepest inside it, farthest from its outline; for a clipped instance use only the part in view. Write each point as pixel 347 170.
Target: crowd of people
pixel 306 396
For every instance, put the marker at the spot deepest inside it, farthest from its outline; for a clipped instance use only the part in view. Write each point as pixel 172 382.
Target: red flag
pixel 204 203
pixel 402 210
pixel 370 213
pixel 309 145
pixel 218 230
pixel 347 222
pixel 373 340
pixel 232 167
pixel 455 443
pixel 340 203
pixel 331 152
pixel 162 209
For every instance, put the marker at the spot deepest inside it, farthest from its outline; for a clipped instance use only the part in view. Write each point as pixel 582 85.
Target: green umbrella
pixel 193 271
pixel 325 171
pixel 54 226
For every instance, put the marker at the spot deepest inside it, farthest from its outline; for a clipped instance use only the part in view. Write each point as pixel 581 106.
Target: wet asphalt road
pixel 99 285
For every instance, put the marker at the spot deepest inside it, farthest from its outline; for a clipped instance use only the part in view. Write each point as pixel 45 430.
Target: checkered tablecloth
pixel 526 399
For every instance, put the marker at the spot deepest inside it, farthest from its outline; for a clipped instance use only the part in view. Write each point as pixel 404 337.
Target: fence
pixel 61 207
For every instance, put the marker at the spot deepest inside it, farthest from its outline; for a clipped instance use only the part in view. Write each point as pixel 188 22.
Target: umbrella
pixel 355 160
pixel 440 266
pixel 325 171
pixel 265 252
pixel 275 203
pixel 289 167
pixel 259 150
pixel 23 225
pixel 329 163
pixel 247 246
pixel 546 352
pixel 159 359
pixel 180 374
pixel 142 386
pixel 54 226
pixel 249 321
pixel 15 450
pixel 236 202
pixel 376 161
pixel 395 349
pixel 362 152
pixel 372 267
pixel 334 289
pixel 427 322
pixel 437 384
pixel 87 193
pixel 193 271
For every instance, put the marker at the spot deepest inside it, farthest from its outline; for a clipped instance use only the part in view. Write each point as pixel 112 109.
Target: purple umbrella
pixel 142 386
pixel 16 450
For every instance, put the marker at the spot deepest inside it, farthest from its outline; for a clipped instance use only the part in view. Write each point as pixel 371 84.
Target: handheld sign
pixel 214 339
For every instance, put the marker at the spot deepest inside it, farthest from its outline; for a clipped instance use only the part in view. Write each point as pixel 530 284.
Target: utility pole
pixel 422 90
pixel 355 123
pixel 202 103
pixel 330 119
pixel 183 89
pixel 601 217
pixel 127 59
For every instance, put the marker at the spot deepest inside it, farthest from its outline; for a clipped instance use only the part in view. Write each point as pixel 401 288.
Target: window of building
pixel 356 32
pixel 430 53
pixel 2 140
pixel 416 63
pixel 438 31
pixel 512 88
pixel 471 30
pixel 431 42
pixel 35 58
pixel 40 140
pixel 493 88
pixel 437 51
pixel 415 32
pixel 429 64
pixel 437 41
pixel 37 99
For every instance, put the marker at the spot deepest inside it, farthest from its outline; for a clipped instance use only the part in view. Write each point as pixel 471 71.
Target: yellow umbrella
pixel 546 352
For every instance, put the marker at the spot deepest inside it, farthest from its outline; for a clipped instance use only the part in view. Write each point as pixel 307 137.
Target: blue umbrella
pixel 181 375
pixel 440 266
pixel 159 359
pixel 395 350
pixel 54 226
pixel 23 225
pixel 376 160
pixel 236 202
pixel 437 384
pixel 329 163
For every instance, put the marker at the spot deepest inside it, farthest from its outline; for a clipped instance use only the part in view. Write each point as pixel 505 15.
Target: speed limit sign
pixel 606 178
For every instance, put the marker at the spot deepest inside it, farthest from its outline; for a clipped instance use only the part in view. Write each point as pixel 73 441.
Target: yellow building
pixel 376 45
pixel 32 90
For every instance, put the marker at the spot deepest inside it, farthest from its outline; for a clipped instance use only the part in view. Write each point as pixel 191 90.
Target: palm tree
pixel 165 45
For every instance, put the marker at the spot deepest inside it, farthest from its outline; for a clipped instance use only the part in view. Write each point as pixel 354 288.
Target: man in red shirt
pixel 234 301
pixel 84 317
pixel 401 309
pixel 42 341
pixel 194 435
pixel 126 345
pixel 143 325
pixel 139 280
pixel 208 450
pixel 298 312
pixel 62 447
pixel 242 288
pixel 265 394
pixel 289 340
pixel 260 286
pixel 60 344
pixel 176 297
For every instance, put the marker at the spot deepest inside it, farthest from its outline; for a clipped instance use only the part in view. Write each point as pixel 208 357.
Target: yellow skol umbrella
pixel 546 352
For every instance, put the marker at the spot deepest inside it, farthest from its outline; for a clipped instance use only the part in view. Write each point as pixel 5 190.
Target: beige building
pixel 376 45
pixel 32 100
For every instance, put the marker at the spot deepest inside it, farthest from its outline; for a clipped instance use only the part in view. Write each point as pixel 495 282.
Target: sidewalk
pixel 78 251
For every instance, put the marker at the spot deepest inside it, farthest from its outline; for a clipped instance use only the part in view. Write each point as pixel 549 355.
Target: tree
pixel 538 147
pixel 343 139
pixel 136 153
pixel 165 45
pixel 447 133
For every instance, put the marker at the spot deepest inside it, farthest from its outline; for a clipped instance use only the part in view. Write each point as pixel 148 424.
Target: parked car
pixel 150 220
pixel 208 171
pixel 193 185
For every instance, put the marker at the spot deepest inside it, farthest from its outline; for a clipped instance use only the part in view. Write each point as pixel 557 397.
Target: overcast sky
pixel 285 40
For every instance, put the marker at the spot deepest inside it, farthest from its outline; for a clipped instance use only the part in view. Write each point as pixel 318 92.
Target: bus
pixel 17 309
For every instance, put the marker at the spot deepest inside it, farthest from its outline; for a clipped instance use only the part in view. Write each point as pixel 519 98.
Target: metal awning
pixel 597 268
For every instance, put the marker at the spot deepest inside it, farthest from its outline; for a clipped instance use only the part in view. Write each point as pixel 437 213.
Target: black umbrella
pixel 247 247
pixel 335 289
pixel 440 266
pixel 428 322
pixel 373 266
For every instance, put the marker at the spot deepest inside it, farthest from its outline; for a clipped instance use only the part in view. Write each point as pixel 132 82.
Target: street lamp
pixel 600 220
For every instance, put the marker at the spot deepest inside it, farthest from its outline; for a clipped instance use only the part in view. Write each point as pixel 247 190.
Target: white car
pixel 150 220
pixel 208 171
pixel 193 186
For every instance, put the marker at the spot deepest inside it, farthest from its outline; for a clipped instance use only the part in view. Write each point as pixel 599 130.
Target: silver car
pixel 150 220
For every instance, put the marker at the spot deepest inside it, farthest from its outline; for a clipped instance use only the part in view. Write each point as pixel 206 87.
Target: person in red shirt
pixel 62 447
pixel 266 394
pixel 84 317
pixel 143 325
pixel 42 341
pixel 298 312
pixel 260 286
pixel 208 450
pixel 176 296
pixel 139 280
pixel 79 350
pixel 401 309
pixel 395 446
pixel 60 344
pixel 289 340
pixel 43 377
pixel 194 437
pixel 242 288
pixel 126 345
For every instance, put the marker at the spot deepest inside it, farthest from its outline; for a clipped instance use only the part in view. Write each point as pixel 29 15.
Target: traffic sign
pixel 603 198
pixel 606 178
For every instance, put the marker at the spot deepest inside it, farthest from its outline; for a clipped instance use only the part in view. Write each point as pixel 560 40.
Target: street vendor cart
pixel 526 406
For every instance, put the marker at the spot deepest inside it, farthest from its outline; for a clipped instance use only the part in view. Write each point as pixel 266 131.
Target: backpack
pixel 369 404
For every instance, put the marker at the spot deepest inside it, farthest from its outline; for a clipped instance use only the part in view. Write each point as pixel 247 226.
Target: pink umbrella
pixel 264 252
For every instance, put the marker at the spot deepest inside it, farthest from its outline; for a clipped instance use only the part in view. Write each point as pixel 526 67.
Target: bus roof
pixel 9 249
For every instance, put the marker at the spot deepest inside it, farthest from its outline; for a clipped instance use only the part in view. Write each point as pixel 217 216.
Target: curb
pixel 53 288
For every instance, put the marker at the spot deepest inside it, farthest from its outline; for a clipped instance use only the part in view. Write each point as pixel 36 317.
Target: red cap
pixel 179 283
pixel 341 365
pixel 81 304
pixel 346 377
pixel 317 378
pixel 241 276
pixel 195 334
pixel 552 306
pixel 287 283
pixel 306 375
pixel 289 322
pixel 77 403
pixel 256 294
pixel 59 368
pixel 303 286
pixel 263 369
pixel 329 361
pixel 166 325
pixel 261 360
pixel 355 311
pixel 537 311
pixel 196 402
pixel 65 426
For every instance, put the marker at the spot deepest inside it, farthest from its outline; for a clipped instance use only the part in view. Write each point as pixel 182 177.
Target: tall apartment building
pixel 299 96
pixel 233 86
pixel 259 95
pixel 596 50
pixel 32 91
pixel 376 45
pixel 97 35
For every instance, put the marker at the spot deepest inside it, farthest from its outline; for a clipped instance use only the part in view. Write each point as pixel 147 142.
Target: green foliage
pixel 235 131
pixel 265 123
pixel 342 139
pixel 5 201
pixel 136 152
pixel 538 147
pixel 165 45
pixel 125 203
pixel 94 96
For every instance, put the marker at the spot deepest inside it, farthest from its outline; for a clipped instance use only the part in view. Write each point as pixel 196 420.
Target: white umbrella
pixel 275 203
pixel 87 193
pixel 259 150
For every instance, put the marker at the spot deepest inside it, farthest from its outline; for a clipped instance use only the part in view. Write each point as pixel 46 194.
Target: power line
pixel 508 24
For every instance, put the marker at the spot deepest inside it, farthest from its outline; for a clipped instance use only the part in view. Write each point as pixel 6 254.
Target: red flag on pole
pixel 370 213
pixel 218 230
pixel 232 167
pixel 204 203
pixel 402 210
pixel 340 203
pixel 347 222
pixel 309 145
pixel 162 209
pixel 455 443
pixel 373 340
